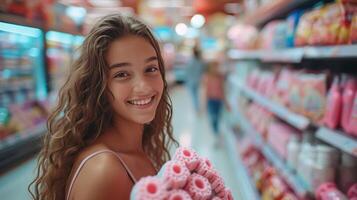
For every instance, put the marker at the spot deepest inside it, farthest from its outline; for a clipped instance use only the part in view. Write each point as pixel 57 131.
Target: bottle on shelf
pixel 353 117
pixel 347 102
pixel 334 104
pixel 329 191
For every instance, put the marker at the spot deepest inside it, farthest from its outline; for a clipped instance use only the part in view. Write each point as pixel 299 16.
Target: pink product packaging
pixel 282 86
pixel 353 117
pixel 329 191
pixel 352 192
pixel 198 187
pixel 334 105
pixel 187 156
pixel 178 195
pixel 279 135
pixel 314 95
pixel 347 102
pixel 149 188
pixel 175 174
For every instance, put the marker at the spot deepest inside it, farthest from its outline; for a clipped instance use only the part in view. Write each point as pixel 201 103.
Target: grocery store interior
pixel 264 89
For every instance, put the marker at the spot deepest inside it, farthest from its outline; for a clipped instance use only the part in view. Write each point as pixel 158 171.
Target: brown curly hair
pixel 83 110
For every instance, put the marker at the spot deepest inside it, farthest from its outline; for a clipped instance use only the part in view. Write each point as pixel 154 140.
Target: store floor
pixel 189 129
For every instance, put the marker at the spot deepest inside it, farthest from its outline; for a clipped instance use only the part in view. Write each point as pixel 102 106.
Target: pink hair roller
pixel 178 195
pixel 205 168
pixel 149 188
pixel 198 187
pixel 175 174
pixel 187 156
pixel 216 198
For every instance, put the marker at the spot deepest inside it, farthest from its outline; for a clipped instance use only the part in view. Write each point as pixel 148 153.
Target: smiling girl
pixel 112 124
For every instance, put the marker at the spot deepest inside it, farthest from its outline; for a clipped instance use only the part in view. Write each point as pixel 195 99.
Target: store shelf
pixel 276 10
pixel 298 121
pixel 247 188
pixel 294 180
pixel 338 139
pixel 342 51
pixel 295 55
pixel 21 144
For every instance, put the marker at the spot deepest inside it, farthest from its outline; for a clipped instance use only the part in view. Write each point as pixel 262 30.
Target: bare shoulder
pixel 102 177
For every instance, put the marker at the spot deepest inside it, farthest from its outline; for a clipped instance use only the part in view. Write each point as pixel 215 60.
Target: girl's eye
pixel 152 69
pixel 121 75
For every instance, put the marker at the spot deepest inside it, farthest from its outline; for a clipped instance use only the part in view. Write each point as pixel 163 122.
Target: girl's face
pixel 134 79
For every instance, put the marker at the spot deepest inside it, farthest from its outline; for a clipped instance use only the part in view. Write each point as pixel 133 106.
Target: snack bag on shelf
pixel 314 95
pixel 186 177
pixel 292 22
pixel 353 35
pixel 273 35
pixel 282 86
pixel 243 36
pixel 305 27
pixel 295 94
pixel 279 135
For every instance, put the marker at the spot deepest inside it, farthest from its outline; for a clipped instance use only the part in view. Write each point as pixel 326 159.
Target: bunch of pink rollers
pixel 186 177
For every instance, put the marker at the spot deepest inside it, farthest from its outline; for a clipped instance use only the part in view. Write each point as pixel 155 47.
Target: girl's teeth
pixel 141 102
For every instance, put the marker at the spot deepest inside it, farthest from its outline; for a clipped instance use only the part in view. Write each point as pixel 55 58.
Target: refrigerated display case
pixel 59 55
pixel 22 86
pixel 22 70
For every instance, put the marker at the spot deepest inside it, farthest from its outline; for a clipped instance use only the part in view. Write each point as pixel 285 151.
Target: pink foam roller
pixel 175 174
pixel 149 188
pixel 205 168
pixel 188 156
pixel 216 198
pixel 178 195
pixel 198 187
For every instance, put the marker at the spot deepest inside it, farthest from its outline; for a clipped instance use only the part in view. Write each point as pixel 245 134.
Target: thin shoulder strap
pixel 130 174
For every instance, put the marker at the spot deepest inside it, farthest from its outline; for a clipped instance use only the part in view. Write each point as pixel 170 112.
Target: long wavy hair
pixel 83 110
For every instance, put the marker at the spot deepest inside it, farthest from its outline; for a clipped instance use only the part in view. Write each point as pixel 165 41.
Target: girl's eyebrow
pixel 124 64
pixel 152 58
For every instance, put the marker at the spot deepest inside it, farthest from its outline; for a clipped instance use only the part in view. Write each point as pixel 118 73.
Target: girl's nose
pixel 141 85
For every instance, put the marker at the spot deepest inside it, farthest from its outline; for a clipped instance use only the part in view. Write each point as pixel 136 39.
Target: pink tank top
pixel 130 174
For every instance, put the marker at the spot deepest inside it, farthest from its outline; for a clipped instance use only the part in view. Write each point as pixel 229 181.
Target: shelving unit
pixel 338 139
pixel 298 121
pixel 20 145
pixel 276 10
pixel 294 180
pixel 247 188
pixel 295 55
pixel 335 138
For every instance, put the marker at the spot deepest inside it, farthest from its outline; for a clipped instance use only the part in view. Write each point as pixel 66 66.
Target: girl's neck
pixel 125 136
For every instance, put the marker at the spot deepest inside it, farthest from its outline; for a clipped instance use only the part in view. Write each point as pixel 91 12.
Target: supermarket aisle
pixel 195 132
pixel 188 129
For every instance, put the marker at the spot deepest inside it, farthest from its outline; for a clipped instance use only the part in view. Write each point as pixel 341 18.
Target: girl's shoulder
pixel 101 175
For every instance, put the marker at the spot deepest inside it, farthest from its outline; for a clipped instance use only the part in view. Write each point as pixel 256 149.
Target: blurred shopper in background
pixel 213 83
pixel 195 69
